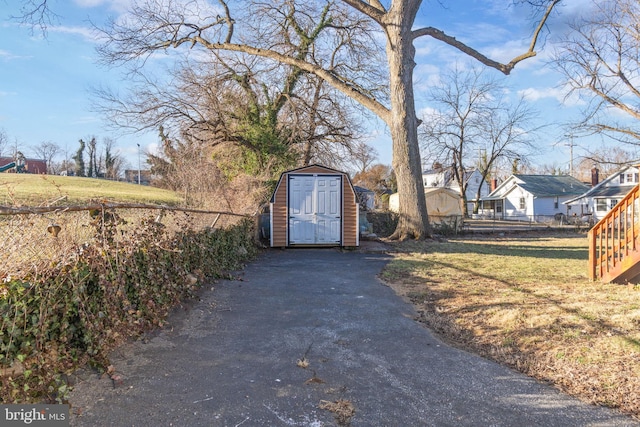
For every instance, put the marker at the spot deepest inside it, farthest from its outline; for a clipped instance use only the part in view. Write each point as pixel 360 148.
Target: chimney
pixel 494 184
pixel 595 176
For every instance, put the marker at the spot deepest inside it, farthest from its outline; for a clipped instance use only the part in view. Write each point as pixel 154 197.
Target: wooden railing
pixel 614 249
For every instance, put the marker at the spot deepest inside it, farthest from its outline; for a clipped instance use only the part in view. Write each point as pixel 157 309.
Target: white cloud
pixel 5 55
pixel 119 6
pixel 152 148
pixel 532 94
pixel 85 120
pixel 425 77
pixel 428 112
pixel 85 32
pixel 560 94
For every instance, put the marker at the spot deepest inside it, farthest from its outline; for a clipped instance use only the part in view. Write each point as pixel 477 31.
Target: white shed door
pixel 315 209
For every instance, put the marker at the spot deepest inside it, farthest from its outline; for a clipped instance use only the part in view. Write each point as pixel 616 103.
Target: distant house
pixel 366 198
pixel 531 197
pixel 602 196
pixel 445 178
pixel 38 166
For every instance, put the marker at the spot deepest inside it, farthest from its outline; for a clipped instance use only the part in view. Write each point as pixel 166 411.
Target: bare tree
pixel 36 13
pixel 113 161
pixel 4 142
pixel 186 166
pixel 474 125
pixel 508 134
pixel 91 145
pixel 47 150
pixel 156 26
pixel 607 160
pixel 601 63
pixel 277 113
pixel 376 178
pixel 363 157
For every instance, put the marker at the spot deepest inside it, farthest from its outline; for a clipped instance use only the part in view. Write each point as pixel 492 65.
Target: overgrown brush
pixel 114 287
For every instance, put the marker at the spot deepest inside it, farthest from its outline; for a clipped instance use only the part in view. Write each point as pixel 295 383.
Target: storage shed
pixel 444 206
pixel 314 206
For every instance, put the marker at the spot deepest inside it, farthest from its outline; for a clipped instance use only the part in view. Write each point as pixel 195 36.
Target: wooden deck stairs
pixel 614 246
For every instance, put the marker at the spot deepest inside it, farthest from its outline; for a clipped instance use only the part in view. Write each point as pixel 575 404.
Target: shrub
pixel 114 287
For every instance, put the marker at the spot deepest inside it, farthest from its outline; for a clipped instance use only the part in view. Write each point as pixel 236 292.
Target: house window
pixel 523 203
pixel 621 178
pixel 635 177
pixel 555 202
pixel 601 205
pixel 613 203
pixel 629 177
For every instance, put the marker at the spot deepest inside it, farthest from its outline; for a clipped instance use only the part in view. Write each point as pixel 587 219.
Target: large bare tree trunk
pixel 403 123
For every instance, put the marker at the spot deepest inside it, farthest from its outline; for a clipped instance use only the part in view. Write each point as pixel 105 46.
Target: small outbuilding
pixel 314 206
pixel 444 206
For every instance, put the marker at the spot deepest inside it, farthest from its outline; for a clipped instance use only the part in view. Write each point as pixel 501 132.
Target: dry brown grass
pixel 526 301
pixel 28 244
pixel 342 409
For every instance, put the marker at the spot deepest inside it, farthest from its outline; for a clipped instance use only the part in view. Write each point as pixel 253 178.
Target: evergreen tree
pixel 79 159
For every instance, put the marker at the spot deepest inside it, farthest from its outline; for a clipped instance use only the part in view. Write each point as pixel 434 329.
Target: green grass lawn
pixel 42 190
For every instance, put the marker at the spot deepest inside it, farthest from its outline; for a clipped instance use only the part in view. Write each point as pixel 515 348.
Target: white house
pixel 531 197
pixel 445 178
pixel 599 199
pixel 366 198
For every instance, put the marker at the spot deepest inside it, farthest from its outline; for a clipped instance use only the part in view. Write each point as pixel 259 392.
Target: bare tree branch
pixel 600 62
pixel 504 68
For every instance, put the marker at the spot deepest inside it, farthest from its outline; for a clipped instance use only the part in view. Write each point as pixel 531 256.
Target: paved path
pixel 231 360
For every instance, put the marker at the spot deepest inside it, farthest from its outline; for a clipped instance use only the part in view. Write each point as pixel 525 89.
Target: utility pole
pixel 571 144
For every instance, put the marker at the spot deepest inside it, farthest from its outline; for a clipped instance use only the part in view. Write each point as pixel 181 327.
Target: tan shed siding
pixel 280 212
pixel 279 227
pixel 350 217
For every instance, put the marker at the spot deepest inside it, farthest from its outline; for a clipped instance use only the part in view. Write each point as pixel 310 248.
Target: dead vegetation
pixel 342 410
pixel 525 301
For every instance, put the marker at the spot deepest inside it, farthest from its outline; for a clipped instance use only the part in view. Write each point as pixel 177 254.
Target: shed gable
pixel 280 207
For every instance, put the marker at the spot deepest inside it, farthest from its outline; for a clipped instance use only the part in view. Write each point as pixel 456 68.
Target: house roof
pixel 604 189
pixel 540 186
pixel 617 191
pixel 360 189
pixel 552 185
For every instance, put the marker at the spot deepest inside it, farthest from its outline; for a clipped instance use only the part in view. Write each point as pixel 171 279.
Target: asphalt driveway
pixel 301 330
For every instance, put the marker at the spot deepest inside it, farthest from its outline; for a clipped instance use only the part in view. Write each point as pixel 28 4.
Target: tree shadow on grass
pixel 598 323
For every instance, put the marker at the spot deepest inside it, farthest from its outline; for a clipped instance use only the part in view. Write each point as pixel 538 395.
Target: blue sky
pixel 45 82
